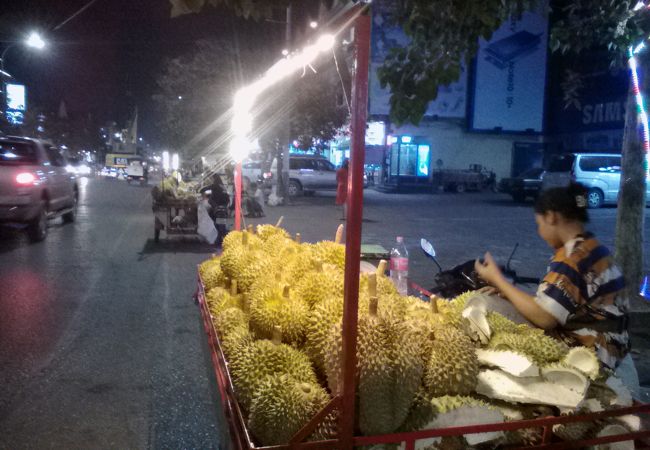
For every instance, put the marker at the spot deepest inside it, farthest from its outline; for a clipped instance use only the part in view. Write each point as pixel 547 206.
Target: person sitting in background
pixel 254 206
pixel 218 200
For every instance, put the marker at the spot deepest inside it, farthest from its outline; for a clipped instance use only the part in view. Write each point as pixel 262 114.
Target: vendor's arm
pixel 523 302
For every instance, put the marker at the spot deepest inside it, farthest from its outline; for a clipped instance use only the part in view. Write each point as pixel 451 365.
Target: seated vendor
pixel 581 298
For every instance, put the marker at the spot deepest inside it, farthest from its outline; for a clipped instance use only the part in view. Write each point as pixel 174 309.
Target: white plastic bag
pixel 206 228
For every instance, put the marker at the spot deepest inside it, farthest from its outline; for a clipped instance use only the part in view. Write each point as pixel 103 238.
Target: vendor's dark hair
pixel 570 202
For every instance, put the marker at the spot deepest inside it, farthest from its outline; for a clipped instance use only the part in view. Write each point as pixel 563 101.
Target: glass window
pixel 326 166
pixel 302 164
pixel 394 158
pixel 56 159
pixel 18 153
pixel 408 160
pixel 532 173
pixel 602 164
pixel 563 163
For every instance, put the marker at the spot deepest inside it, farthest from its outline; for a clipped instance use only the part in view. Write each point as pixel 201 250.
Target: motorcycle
pixel 463 277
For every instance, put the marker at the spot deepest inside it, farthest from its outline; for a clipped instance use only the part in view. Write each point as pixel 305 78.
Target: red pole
pixel 238 191
pixel 353 228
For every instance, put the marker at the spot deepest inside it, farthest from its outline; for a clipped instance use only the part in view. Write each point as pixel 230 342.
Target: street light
pixel 34 40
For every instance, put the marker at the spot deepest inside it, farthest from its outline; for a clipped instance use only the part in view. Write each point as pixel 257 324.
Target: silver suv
pixel 308 173
pixel 600 173
pixel 35 185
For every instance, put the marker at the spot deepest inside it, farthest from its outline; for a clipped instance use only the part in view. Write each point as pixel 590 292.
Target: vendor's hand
pixel 488 269
pixel 490 290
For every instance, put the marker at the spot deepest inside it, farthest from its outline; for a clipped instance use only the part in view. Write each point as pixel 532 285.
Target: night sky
pixel 106 59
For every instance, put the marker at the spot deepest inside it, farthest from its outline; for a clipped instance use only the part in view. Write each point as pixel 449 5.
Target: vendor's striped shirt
pixel 583 287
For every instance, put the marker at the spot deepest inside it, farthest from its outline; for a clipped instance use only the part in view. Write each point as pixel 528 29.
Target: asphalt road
pixel 101 345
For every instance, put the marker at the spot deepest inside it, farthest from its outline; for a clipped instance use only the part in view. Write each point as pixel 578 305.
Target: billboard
pixel 16 103
pixel 510 78
pixel 386 34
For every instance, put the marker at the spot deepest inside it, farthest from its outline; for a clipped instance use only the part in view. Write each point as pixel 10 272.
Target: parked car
pixel 528 184
pixel 309 173
pixel 35 185
pixel 251 171
pixel 600 173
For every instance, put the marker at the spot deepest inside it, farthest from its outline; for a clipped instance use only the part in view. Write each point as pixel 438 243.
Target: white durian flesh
pixel 500 385
pixel 585 360
pixel 514 363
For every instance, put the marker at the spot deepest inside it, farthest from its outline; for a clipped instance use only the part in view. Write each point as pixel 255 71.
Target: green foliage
pixel 584 25
pixel 443 33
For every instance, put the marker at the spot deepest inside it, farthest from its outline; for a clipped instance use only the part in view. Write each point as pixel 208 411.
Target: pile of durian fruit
pixel 277 306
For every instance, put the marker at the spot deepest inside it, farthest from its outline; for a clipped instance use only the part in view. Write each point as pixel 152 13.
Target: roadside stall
pixel 309 352
pixel 175 208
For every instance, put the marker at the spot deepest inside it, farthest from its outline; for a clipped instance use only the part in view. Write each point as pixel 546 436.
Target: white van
pixel 600 173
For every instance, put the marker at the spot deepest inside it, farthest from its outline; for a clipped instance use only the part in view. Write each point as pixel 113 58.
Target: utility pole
pixel 287 141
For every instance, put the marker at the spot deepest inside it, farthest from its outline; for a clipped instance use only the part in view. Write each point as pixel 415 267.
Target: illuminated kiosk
pixel 407 162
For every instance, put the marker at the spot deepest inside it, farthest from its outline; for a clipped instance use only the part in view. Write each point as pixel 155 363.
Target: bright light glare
pixel 325 42
pixel 36 41
pixel 25 178
pixel 313 24
pixel 175 161
pixel 638 6
pixel 165 160
pixel 285 52
pixel 240 147
pixel 242 122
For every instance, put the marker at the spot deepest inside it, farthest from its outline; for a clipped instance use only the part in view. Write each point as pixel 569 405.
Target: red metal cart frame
pixel 242 440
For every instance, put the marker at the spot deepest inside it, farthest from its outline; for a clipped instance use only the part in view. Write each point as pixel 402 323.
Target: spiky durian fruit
pixel 574 431
pixel 232 260
pixel 319 285
pixel 295 261
pixel 254 265
pixel 229 319
pixel 385 286
pixel 211 273
pixel 219 299
pixel 319 322
pixel 266 231
pixel 585 360
pixel 453 366
pixel 501 324
pixel 329 252
pixel 422 412
pixel 282 406
pixel 234 343
pixel 389 366
pixel 275 306
pixel 264 358
pixel 452 311
pixel 538 346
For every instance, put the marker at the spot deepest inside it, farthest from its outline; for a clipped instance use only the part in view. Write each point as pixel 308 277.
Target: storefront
pixel 407 161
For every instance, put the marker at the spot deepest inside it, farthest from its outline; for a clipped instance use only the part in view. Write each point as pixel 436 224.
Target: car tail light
pixel 267 175
pixel 25 178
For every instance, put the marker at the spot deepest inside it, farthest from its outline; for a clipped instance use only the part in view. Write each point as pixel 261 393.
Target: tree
pixel 197 88
pixel 582 26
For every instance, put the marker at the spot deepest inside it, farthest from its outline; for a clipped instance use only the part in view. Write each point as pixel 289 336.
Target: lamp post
pixel 34 40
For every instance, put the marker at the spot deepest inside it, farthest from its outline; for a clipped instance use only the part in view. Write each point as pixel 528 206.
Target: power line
pixel 85 7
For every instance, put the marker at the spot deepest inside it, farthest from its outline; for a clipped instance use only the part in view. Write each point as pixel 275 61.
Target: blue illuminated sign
pixel 424 159
pixel 16 103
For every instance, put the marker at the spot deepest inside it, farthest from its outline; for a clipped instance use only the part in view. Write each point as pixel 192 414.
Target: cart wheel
pixel 156 235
